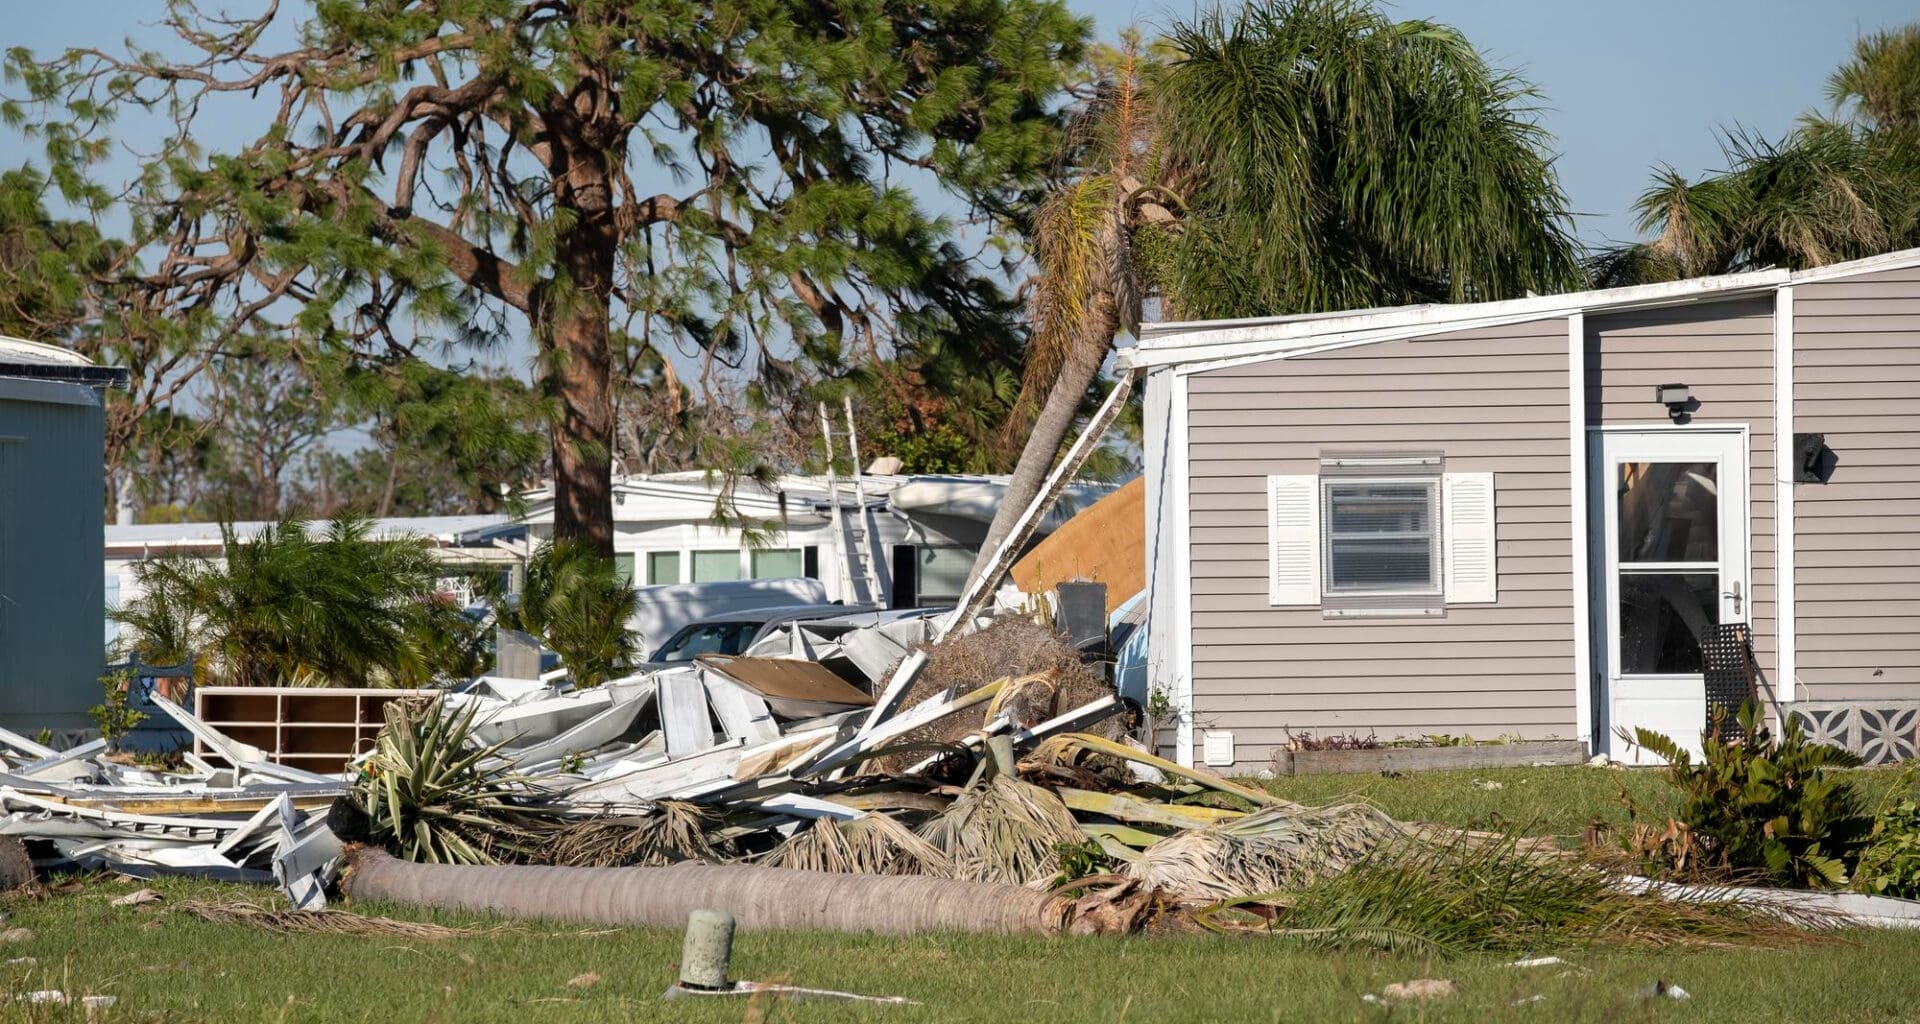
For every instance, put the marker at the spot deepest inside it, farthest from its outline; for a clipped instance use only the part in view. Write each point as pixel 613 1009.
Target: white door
pixel 1671 508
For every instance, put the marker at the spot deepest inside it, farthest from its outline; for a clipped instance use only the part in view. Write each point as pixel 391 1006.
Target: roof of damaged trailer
pixel 443 531
pixel 690 495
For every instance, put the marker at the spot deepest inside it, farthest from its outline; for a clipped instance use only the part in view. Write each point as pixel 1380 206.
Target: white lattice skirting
pixel 1881 731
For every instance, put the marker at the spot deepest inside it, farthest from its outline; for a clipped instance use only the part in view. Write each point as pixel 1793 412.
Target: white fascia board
pixel 1901 260
pixel 1187 343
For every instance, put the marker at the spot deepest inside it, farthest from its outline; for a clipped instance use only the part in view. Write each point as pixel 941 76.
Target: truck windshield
pixel 707 638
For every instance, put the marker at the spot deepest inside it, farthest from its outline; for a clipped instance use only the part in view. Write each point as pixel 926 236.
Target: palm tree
pixel 1294 156
pixel 293 604
pixel 1840 186
pixel 576 603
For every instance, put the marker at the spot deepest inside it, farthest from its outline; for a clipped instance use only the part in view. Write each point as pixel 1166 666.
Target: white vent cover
pixel 1217 749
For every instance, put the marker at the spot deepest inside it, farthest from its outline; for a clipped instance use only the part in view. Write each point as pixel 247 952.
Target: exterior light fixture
pixel 1677 399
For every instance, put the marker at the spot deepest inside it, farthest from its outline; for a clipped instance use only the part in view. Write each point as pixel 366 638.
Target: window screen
pixel 776 563
pixel 1381 536
pixel 663 567
pixel 712 566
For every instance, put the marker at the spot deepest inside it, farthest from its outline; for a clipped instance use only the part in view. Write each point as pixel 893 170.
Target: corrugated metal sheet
pixel 52 491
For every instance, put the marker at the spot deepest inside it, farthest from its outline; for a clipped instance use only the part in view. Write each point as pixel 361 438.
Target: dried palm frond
pixel 1274 849
pixel 1468 896
pixel 1004 830
pixel 1064 747
pixel 874 844
pixel 675 831
pixel 319 922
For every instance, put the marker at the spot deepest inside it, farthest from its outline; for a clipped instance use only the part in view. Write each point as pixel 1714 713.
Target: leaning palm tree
pixel 1293 156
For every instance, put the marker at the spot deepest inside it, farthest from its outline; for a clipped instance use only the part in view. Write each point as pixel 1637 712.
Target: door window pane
pixel 711 566
pixel 1380 536
pixel 775 564
pixel 1664 616
pixel 1669 512
pixel 663 567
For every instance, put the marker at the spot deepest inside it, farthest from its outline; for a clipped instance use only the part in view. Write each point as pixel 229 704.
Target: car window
pixel 707 638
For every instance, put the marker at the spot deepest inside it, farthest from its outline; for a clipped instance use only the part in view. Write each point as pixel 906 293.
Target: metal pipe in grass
pixel 759 898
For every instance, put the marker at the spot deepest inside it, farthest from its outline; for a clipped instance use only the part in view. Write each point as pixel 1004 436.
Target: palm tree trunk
pixel 1051 427
pixel 759 898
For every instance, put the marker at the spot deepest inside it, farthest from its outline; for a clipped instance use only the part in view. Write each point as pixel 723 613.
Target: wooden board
pixel 1105 543
pixel 795 689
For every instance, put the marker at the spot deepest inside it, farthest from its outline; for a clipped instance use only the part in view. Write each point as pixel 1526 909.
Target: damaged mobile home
pixel 1550 517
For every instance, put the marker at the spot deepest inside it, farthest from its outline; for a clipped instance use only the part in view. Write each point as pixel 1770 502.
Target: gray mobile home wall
pixel 1723 351
pixel 52 541
pixel 1856 347
pixel 1492 399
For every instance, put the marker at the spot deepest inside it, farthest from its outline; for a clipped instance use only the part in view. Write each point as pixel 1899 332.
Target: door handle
pixel 1735 595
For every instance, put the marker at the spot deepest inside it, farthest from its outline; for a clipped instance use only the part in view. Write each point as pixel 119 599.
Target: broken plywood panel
pixel 1105 543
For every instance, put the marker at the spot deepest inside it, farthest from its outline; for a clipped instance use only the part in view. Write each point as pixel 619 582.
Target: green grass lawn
pixel 167 966
pixel 1532 801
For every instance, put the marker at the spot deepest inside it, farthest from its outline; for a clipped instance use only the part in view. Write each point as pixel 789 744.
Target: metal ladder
pixel 859 577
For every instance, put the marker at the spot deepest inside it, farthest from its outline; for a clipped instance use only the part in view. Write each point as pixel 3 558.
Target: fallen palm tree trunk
pixel 759 898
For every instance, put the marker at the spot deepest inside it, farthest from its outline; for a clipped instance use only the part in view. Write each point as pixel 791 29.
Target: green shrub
pixel 1890 866
pixel 1761 807
pixel 112 715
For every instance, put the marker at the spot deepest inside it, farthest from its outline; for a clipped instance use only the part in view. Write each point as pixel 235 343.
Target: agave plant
pixel 431 794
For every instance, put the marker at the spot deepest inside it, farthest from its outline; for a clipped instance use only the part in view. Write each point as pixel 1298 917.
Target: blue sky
pixel 1628 84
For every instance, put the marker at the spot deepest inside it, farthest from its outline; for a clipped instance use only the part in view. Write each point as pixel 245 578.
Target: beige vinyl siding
pixel 1856 379
pixel 1723 352
pixel 1489 400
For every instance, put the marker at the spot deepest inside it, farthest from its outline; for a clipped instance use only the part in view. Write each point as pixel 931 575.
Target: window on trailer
pixel 715 566
pixel 663 567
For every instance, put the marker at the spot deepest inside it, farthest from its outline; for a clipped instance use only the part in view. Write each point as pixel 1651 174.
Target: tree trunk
pixel 1050 428
pixel 580 357
pixel 760 898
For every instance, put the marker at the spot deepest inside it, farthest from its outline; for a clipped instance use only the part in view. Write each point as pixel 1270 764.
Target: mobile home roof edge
pixel 1180 342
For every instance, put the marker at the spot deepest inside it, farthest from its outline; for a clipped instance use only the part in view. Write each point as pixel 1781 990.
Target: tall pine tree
pixel 730 178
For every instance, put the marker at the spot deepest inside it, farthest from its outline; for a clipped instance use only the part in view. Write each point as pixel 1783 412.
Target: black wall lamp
pixel 1678 400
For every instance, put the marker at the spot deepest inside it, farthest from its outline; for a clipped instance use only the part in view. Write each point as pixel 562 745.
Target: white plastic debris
pixel 1537 961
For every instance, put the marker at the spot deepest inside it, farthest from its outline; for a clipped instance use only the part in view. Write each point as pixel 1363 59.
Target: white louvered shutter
pixel 1466 503
pixel 1293 540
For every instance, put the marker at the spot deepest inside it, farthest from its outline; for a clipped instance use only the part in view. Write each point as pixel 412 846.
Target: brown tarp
pixel 1105 543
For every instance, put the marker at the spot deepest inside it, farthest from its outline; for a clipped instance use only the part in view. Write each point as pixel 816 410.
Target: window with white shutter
pixel 1293 540
pixel 1467 501
pixel 1381 534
